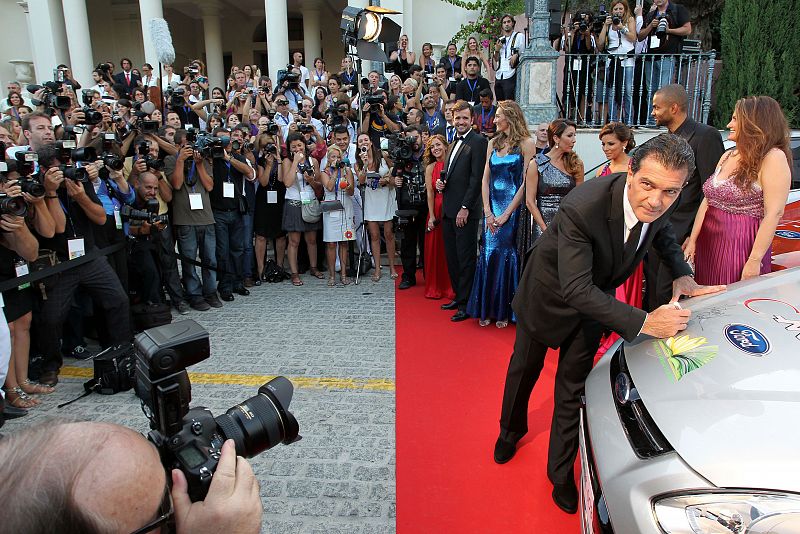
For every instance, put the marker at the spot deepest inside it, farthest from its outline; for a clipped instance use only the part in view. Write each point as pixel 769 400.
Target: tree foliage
pixel 487 26
pixel 760 56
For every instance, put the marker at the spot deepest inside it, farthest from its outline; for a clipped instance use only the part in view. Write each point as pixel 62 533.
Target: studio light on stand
pixel 364 33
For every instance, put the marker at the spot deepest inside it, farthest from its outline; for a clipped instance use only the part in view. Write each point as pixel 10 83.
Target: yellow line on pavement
pixel 306 382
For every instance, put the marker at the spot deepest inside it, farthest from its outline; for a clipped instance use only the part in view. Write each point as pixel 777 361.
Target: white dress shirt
pixel 631 220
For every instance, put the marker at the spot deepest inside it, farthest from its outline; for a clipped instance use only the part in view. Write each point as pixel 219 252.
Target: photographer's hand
pixel 13 189
pixel 232 504
pixel 52 180
pixel 92 171
pixel 11 223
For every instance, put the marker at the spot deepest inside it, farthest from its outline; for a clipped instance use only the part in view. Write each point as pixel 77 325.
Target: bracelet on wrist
pixel 51 196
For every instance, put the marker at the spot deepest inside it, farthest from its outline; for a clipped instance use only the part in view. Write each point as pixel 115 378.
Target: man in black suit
pixel 126 78
pixel 566 298
pixel 670 105
pixel 461 206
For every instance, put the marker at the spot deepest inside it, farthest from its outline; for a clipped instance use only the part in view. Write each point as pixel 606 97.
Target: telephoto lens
pixel 76 174
pixel 32 187
pixel 17 206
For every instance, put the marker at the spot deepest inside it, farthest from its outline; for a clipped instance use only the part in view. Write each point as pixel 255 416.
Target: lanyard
pixel 69 217
pixel 472 87
pixel 319 75
pixel 484 117
pixel 190 180
pixel 451 130
pixel 453 64
pixel 348 77
pixel 432 123
pixel 283 119
pixel 508 44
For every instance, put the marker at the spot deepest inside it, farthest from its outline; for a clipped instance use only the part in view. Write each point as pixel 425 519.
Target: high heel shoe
pixel 19 399
pixel 32 388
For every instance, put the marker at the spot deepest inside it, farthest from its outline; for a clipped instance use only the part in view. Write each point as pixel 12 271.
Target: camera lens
pixel 16 206
pixel 262 421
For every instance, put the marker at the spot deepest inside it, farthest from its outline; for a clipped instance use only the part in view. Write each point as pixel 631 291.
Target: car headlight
pixel 726 513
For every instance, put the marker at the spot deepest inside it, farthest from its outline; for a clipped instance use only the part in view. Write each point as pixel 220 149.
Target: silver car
pixel 700 433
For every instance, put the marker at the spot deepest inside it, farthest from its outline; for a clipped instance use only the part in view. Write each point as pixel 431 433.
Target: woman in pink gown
pixel 744 200
pixel 437 279
pixel 617 140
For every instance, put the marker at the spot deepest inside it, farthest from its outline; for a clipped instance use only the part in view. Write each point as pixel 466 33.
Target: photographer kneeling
pixel 100 477
pixel 143 225
pixel 409 178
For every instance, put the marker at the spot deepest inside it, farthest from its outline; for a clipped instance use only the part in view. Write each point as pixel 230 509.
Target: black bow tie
pixel 459 138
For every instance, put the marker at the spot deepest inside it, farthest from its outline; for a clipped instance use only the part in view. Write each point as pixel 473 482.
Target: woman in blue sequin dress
pixel 498 266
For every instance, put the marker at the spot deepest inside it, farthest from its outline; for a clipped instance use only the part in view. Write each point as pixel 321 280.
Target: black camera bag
pixel 114 370
pixel 148 315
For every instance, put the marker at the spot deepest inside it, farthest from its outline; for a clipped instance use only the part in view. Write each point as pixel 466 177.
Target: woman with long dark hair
pixel 744 200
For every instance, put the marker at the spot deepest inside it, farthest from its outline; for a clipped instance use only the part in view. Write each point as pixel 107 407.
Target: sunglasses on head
pixel 283 102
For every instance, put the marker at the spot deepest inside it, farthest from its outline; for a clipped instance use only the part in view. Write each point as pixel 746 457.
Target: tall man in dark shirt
pixel 83 211
pixel 470 87
pixel 229 206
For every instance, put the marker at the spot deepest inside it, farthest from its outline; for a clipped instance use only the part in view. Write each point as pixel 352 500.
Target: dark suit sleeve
pixel 478 161
pixel 575 262
pixel 670 252
pixel 711 148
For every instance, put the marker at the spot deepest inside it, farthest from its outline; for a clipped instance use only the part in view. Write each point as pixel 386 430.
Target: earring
pixel 556 146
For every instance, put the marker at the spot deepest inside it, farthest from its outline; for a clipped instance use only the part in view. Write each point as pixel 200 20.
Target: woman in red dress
pixel 617 140
pixel 437 279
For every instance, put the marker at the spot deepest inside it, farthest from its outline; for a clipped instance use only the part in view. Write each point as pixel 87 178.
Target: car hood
pixel 730 404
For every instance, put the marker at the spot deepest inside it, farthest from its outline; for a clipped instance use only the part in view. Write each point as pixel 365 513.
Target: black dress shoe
pixel 227 297
pixel 405 284
pixel 566 497
pixel 243 291
pixel 452 305
pixel 48 378
pixel 504 450
pixel 460 315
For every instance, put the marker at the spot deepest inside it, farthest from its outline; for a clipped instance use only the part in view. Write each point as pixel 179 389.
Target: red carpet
pixel 449 389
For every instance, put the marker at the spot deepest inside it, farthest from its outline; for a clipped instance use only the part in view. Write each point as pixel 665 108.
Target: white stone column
pixel 212 32
pixel 312 42
pixel 47 36
pixel 148 10
pixel 277 37
pixel 80 43
pixel 408 27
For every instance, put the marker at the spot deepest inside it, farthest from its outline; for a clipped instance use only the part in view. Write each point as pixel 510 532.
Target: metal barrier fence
pixel 594 89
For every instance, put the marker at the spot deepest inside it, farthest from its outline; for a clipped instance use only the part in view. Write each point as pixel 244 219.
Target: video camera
pixel 374 100
pixel 191 439
pixel 176 97
pixel 211 146
pixel 149 214
pixel 287 75
pixel 50 99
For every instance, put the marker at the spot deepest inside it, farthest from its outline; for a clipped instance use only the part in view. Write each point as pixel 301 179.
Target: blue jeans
pixel 190 239
pixel 623 113
pixel 658 73
pixel 230 249
pixel 248 256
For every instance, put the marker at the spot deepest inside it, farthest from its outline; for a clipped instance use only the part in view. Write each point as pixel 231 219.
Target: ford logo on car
pixel 747 339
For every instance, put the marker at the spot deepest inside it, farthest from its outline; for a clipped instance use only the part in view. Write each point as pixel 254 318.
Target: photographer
pixel 283 118
pixel 143 252
pixel 376 123
pixel 82 497
pixel 291 88
pixel 193 221
pixel 580 44
pixel 230 205
pixel 339 115
pixel 506 59
pixel 82 210
pixel 409 179
pixel 270 197
pixel 664 29
pixel 619 34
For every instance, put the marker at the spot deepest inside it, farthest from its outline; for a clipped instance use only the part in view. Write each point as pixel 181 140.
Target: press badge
pixel 21 268
pixel 76 248
pixel 272 197
pixel 195 201
pixel 576 64
pixel 227 190
pixel 655 42
pixel 306 197
pixel 117 219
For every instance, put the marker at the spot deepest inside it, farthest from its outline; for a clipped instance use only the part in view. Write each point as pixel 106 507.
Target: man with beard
pixel 407 179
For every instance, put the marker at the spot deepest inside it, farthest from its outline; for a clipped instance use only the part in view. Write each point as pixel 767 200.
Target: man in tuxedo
pixel 126 78
pixel 566 298
pixel 461 206
pixel 670 105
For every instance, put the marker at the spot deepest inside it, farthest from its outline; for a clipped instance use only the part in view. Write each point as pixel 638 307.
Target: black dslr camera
pixel 663 24
pixel 50 97
pixel 210 146
pixel 13 206
pixel 143 151
pixel 190 439
pixel 149 214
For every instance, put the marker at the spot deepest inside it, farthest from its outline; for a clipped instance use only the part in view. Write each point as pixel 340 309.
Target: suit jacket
pixel 706 143
pixel 576 265
pixel 463 185
pixel 120 79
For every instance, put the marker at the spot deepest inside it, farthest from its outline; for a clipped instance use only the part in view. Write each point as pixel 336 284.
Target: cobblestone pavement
pixel 340 478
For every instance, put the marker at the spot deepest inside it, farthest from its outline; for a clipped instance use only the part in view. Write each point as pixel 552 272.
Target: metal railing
pixel 594 89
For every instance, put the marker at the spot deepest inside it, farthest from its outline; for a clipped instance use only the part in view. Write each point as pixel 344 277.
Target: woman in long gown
pixel 732 235
pixel 617 141
pixel 497 272
pixel 437 279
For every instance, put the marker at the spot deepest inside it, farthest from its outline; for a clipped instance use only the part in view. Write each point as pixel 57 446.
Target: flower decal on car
pixel 684 354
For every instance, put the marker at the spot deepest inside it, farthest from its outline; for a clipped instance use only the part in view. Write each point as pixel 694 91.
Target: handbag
pixel 331 205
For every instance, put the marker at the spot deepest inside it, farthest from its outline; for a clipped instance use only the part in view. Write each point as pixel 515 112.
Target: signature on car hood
pixel 726 391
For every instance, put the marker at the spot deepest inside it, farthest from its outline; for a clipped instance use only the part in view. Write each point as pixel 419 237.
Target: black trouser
pixel 145 276
pixel 460 248
pixel 107 235
pixel 168 264
pixel 506 89
pixel 574 363
pixel 413 238
pixel 101 283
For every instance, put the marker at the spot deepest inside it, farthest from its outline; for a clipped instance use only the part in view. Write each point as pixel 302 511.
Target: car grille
pixel 644 436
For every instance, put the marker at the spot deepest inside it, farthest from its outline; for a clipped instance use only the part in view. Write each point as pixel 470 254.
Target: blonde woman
pixel 499 264
pixel 473 49
pixel 337 224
